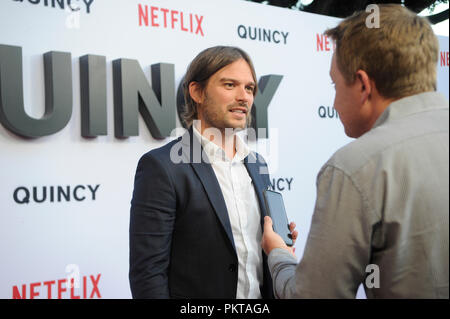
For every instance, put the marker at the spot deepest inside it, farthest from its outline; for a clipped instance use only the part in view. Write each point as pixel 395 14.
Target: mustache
pixel 239 104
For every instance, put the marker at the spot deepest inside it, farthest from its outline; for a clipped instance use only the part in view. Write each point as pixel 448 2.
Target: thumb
pixel 267 224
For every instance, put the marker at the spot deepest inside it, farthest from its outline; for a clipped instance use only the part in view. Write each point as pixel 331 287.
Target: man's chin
pixel 231 125
pixel 237 128
pixel 239 125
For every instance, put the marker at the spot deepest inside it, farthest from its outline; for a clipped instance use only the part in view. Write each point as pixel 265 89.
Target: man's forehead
pixel 237 71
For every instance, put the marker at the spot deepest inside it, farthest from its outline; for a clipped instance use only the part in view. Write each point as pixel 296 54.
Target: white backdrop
pixel 43 243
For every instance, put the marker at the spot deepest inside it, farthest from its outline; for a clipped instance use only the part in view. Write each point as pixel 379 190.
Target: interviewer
pixel 382 200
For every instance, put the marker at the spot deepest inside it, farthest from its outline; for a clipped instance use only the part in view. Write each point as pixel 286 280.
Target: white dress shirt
pixel 243 211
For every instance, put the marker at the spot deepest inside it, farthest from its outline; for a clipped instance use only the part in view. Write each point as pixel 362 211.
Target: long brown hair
pixel 204 65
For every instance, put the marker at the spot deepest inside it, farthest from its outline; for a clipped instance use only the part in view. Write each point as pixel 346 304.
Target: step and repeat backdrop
pixel 69 149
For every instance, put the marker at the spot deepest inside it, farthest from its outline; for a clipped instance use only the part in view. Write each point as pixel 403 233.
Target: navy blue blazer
pixel 181 243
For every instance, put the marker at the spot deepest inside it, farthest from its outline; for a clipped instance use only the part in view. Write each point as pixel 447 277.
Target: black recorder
pixel 276 211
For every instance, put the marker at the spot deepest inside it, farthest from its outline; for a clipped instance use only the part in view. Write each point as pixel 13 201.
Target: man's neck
pixel 372 110
pixel 380 106
pixel 224 138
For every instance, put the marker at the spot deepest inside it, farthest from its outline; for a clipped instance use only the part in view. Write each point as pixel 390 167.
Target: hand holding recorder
pixel 278 232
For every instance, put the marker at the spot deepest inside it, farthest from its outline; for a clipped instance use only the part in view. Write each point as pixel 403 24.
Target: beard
pixel 215 116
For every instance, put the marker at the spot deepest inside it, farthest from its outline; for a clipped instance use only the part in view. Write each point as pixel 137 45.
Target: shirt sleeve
pixel 338 246
pixel 282 269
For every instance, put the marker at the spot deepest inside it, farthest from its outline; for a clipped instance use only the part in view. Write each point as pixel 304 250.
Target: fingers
pixel 292 226
pixel 267 224
pixel 294 233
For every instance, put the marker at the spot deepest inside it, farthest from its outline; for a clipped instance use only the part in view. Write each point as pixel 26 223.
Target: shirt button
pixel 232 268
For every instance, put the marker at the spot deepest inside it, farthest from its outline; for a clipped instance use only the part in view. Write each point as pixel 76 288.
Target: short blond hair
pixel 400 56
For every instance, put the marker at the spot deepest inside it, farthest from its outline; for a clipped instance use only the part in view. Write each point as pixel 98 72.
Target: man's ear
pixel 196 92
pixel 365 85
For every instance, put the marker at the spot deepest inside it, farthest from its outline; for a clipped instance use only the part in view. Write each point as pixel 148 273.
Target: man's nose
pixel 244 95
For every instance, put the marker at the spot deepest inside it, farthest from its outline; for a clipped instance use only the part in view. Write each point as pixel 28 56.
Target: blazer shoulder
pixel 162 153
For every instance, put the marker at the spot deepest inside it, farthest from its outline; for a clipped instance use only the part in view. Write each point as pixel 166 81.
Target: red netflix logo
pixel 444 58
pixel 62 288
pixel 166 18
pixel 323 43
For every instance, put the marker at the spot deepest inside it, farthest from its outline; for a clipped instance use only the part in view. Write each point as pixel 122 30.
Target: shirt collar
pixel 216 153
pixel 412 104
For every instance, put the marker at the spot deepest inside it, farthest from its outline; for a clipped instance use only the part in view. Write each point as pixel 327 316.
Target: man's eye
pixel 229 85
pixel 250 88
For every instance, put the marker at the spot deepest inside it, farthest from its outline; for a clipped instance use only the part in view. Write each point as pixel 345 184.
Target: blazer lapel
pixel 210 183
pixel 258 183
